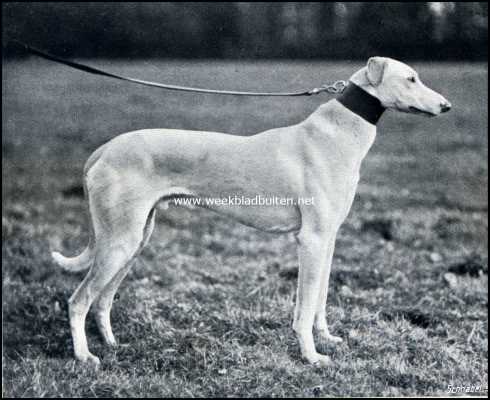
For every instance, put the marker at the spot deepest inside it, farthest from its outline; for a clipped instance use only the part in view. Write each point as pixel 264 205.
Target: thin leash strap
pixel 334 88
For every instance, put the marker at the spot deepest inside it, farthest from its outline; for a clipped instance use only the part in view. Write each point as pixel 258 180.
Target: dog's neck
pixel 362 103
pixel 333 125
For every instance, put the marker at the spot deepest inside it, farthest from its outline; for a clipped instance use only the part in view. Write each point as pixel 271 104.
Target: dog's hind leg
pixel 103 304
pixel 119 234
pixel 108 262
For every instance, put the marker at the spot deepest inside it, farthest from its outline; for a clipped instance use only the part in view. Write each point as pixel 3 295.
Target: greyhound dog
pixel 319 158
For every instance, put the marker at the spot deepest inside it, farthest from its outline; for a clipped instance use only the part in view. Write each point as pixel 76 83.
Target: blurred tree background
pixel 326 30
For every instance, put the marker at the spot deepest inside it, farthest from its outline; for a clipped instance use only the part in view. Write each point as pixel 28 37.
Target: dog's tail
pixel 85 259
pixel 74 264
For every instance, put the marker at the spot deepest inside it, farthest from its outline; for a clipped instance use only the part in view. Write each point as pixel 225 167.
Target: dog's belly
pixel 273 218
pixel 267 212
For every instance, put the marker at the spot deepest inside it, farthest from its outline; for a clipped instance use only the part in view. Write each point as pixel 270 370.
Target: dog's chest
pixel 337 175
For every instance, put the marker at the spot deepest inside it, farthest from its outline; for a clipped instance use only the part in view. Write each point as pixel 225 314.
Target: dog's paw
pixel 320 360
pixel 93 360
pixel 90 360
pixel 327 337
pixel 111 342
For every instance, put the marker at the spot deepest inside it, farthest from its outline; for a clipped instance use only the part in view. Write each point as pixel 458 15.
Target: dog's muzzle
pixel 445 106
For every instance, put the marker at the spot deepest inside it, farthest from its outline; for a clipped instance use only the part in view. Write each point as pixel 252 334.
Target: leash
pixel 333 88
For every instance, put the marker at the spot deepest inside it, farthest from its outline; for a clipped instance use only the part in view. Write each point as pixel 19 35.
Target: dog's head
pixel 398 86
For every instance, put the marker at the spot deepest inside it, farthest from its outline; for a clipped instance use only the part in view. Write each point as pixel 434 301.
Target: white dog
pixel 318 158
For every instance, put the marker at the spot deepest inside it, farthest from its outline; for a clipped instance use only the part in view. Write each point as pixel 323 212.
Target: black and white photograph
pixel 244 199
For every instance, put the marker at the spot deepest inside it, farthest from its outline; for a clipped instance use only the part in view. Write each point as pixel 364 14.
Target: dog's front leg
pixel 320 317
pixel 312 251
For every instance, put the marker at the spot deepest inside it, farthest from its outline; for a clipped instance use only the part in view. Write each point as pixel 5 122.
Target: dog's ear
pixel 375 69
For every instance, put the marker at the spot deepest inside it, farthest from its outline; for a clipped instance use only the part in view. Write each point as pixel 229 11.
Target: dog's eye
pixel 412 79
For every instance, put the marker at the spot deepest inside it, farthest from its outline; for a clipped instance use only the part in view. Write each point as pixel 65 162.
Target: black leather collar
pixel 361 103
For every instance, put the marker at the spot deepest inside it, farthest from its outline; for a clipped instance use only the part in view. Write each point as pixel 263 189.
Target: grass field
pixel 207 309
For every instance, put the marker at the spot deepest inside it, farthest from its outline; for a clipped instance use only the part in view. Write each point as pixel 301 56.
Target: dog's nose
pixel 445 106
